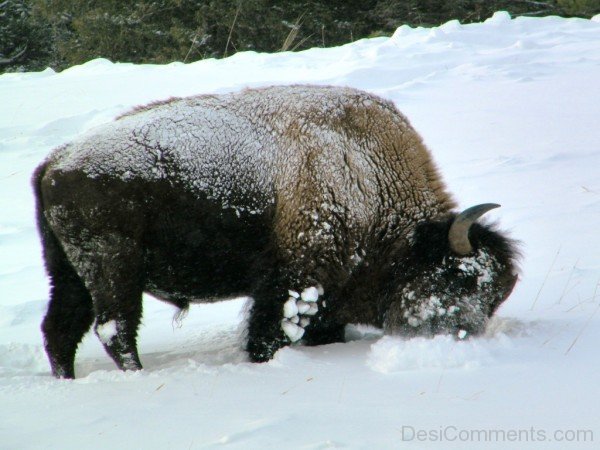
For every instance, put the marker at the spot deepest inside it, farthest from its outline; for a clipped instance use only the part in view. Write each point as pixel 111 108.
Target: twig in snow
pixel 587 321
pixel 567 283
pixel 341 390
pixel 545 279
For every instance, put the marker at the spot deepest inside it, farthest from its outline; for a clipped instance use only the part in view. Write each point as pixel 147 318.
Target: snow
pixel 303 307
pixel 295 311
pixel 310 294
pixel 107 331
pixel 292 331
pixel 290 309
pixel 509 109
pixel 391 354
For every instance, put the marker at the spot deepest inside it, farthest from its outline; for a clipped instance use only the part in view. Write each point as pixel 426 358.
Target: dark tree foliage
pixel 583 8
pixel 24 41
pixel 392 13
pixel 59 33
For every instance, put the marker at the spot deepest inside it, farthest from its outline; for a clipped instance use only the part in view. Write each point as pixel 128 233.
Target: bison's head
pixel 455 275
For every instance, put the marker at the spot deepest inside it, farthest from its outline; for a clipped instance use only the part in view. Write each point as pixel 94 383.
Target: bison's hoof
pixel 297 311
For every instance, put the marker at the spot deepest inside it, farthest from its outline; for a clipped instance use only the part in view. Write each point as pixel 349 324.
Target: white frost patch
pixel 295 312
pixel 310 294
pixel 107 331
pixel 314 308
pixel 480 264
pixel 303 307
pixel 292 331
pixel 425 310
pixel 290 309
pixel 393 354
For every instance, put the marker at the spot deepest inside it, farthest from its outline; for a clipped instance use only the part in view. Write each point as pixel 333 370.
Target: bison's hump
pixel 200 133
pixel 316 147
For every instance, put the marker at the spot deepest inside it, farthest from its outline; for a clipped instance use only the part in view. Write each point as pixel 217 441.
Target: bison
pixel 321 203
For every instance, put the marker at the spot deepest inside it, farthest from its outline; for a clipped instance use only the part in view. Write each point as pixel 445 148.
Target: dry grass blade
pixel 292 35
pixel 237 12
pixel 545 279
pixel 568 282
pixel 587 321
pixel 194 41
pixel 302 42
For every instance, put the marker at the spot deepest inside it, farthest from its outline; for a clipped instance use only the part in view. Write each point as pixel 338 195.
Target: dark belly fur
pixel 196 250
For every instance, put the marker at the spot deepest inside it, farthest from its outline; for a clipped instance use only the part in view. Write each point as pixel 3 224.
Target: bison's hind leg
pixel 106 286
pixel 110 264
pixel 70 311
pixel 113 274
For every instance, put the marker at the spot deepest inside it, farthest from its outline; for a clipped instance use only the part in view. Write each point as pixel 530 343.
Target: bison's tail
pixel 70 310
pixel 45 231
pixel 57 263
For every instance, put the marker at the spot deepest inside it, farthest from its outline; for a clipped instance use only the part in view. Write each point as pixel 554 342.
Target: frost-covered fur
pixel 262 192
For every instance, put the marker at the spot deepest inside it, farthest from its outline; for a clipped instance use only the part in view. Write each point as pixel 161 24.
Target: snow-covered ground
pixel 511 112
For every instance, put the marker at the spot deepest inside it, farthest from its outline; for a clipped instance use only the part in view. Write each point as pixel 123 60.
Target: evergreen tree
pixel 582 8
pixel 24 42
pixel 61 33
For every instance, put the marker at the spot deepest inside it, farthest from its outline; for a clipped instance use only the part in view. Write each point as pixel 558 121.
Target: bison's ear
pixel 458 236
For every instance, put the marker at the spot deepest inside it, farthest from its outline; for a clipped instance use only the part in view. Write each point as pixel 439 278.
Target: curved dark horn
pixel 458 236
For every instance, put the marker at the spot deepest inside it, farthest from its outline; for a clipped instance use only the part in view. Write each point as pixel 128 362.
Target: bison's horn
pixel 458 236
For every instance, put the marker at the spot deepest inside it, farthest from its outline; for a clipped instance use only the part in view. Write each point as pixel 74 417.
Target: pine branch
pixel 15 57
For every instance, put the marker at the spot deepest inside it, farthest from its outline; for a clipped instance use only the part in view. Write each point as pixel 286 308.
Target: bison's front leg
pixel 283 313
pixel 265 335
pixel 324 330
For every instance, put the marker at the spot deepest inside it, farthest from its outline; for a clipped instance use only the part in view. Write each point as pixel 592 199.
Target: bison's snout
pixel 453 291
